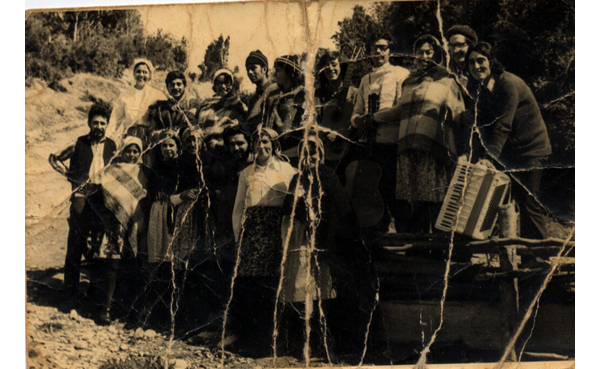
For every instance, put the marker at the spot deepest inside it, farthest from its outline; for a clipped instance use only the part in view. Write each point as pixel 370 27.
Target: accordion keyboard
pixel 471 203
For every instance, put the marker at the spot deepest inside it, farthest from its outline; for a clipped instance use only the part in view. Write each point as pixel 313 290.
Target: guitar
pixel 337 112
pixel 362 186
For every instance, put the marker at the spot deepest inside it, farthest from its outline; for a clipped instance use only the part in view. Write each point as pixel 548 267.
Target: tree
pixel 215 58
pixel 354 31
pixel 360 28
pixel 103 42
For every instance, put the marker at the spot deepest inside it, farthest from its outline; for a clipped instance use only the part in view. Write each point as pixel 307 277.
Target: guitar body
pixel 362 185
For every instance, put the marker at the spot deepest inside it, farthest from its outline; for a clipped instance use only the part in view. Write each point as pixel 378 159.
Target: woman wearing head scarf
pixel 173 227
pixel 256 218
pixel 428 113
pixel 124 186
pixel 512 130
pixel 225 107
pixel 131 107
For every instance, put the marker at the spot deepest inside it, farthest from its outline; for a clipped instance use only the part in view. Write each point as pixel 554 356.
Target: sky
pixel 276 28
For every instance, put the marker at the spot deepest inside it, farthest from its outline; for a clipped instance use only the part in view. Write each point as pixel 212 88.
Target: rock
pixel 181 364
pixel 150 334
pixel 124 347
pixel 139 333
pixel 112 329
pixel 81 345
pixel 73 315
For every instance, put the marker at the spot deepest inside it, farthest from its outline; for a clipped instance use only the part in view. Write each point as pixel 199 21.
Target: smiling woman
pixel 131 107
pixel 256 218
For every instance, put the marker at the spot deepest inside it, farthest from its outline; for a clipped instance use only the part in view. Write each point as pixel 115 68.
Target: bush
pixel 103 43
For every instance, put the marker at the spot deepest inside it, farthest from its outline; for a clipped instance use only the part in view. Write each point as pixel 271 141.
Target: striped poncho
pixel 124 187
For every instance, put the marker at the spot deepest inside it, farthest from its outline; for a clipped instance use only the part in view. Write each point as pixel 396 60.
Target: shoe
pixel 104 317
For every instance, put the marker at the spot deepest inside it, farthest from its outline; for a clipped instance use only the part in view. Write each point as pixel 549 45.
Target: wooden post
pixel 509 289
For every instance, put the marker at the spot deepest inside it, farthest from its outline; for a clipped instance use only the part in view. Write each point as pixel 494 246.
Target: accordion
pixel 471 203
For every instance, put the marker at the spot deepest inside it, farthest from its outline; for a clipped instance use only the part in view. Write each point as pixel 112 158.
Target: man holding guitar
pixel 380 90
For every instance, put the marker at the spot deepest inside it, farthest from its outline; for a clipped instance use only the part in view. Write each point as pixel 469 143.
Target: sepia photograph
pixel 286 184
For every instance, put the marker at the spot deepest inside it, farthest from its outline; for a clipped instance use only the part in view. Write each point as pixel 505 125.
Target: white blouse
pixel 131 107
pixel 261 186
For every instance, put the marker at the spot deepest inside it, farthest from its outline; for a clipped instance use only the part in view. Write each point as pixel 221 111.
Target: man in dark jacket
pixel 92 153
pixel 257 68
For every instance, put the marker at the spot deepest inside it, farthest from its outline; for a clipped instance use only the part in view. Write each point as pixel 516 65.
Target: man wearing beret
pixel 460 38
pixel 257 68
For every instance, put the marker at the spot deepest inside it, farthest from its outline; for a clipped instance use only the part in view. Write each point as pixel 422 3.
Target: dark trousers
pixel 416 217
pixel 386 155
pixel 533 219
pixel 252 309
pixel 85 217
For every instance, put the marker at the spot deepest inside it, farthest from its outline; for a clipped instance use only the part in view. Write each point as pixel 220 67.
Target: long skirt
pixel 260 253
pixel 421 177
pixel 159 236
pixel 185 235
pixel 297 282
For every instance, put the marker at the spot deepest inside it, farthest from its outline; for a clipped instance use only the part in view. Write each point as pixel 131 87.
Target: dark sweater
pixel 510 121
pixel 79 168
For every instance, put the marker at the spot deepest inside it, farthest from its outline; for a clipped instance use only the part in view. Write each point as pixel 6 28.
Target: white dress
pixel 131 108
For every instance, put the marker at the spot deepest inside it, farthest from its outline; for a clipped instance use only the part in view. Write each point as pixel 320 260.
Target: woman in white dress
pixel 131 107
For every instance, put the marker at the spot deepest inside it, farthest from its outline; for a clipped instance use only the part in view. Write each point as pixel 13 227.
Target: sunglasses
pixel 380 47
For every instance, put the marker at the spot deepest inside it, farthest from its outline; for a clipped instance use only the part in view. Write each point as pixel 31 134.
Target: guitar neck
pixel 348 76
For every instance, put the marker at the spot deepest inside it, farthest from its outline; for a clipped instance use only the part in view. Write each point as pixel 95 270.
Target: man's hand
pixel 57 164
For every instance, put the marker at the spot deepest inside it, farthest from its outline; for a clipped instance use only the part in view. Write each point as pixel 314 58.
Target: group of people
pixel 242 205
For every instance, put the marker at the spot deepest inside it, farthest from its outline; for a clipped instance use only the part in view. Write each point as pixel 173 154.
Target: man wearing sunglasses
pixel 460 38
pixel 380 90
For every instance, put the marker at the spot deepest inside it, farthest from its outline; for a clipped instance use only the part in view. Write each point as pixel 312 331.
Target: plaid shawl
pixel 171 114
pixel 220 107
pixel 124 186
pixel 431 108
pixel 285 110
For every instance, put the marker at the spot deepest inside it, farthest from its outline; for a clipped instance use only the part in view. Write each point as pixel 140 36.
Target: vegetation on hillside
pixel 102 42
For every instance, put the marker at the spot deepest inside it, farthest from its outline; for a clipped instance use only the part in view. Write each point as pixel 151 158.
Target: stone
pixel 150 334
pixel 73 315
pixel 81 345
pixel 112 329
pixel 180 364
pixel 124 347
pixel 139 333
